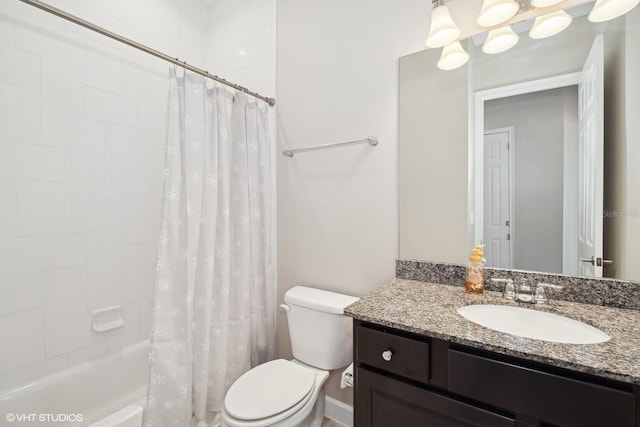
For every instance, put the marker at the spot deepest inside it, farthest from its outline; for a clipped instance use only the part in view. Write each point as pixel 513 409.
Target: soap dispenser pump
pixel 475 280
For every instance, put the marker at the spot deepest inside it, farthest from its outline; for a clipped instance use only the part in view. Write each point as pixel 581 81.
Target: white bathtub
pixel 108 392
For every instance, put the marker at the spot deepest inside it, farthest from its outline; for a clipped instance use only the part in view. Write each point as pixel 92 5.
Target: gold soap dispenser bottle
pixel 475 280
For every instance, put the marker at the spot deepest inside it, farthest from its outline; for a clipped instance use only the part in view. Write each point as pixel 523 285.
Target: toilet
pixel 289 393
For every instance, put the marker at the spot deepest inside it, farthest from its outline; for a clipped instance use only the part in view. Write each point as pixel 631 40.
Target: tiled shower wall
pixel 82 134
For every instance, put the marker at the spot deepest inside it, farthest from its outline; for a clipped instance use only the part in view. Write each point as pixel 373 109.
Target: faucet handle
pixel 541 295
pixel 549 286
pixel 509 291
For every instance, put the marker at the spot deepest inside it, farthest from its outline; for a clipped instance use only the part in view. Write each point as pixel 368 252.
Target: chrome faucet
pixel 524 293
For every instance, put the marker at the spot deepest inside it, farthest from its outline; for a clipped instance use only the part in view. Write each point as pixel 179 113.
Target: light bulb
pixel 453 56
pixel 550 24
pixel 605 10
pixel 495 12
pixel 499 40
pixel 443 30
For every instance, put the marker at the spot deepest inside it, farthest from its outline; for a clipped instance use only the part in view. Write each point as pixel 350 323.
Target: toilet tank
pixel 321 335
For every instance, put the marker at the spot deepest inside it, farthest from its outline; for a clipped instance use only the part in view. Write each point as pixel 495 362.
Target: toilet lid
pixel 268 389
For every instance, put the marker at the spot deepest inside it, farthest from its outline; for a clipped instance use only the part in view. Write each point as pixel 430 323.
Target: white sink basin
pixel 535 324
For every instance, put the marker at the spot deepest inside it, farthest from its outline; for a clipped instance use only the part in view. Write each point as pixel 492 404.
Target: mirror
pixel 456 183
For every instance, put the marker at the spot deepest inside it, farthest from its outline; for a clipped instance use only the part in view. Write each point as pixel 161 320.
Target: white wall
pixel 337 81
pixel 82 134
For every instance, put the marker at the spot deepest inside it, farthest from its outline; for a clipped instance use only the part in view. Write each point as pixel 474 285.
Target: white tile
pixel 90 10
pixel 152 124
pixel 19 114
pixel 246 51
pixel 69 334
pixel 123 184
pixel 22 335
pixel 147 85
pixel 121 148
pixel 140 259
pixel 27 374
pixel 31 162
pixel 7 26
pixel 84 174
pixel 146 323
pixel 20 293
pixel 65 292
pixel 60 130
pixel 134 13
pixel 103 64
pixel 47 35
pixel 192 30
pixel 37 253
pixel 110 107
pixel 7 199
pixel 8 247
pixel 62 87
pixel 140 219
pixel 104 254
pixel 19 67
pixel 40 208
pixel 127 334
pixel 112 288
pixel 88 354
pixel 92 215
pixel 133 58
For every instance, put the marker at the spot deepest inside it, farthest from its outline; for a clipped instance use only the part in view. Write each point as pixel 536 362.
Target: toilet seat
pixel 273 390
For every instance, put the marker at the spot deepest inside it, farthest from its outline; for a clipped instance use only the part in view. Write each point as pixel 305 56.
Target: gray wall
pixel 539 133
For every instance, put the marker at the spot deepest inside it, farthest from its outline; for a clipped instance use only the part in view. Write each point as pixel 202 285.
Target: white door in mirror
pixel 538 325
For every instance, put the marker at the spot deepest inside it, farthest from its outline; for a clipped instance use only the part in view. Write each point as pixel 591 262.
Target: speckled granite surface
pixel 608 292
pixel 430 309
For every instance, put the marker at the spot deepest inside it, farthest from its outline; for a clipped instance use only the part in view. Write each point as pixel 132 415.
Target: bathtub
pixel 107 392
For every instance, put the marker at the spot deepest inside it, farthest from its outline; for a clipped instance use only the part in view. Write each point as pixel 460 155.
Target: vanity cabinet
pixel 404 379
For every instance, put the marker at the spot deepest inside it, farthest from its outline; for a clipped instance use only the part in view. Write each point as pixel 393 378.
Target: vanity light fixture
pixel 495 12
pixel 500 40
pixel 605 10
pixel 443 30
pixel 453 56
pixel 550 24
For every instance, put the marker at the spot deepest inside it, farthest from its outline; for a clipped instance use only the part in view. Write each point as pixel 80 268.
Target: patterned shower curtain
pixel 214 315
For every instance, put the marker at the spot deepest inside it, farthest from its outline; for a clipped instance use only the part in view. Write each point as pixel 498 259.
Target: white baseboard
pixel 338 411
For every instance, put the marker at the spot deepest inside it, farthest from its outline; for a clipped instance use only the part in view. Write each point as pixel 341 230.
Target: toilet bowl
pixel 279 393
pixel 289 393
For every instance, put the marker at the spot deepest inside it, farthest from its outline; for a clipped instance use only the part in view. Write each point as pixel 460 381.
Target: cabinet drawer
pixel 409 357
pixel 385 402
pixel 551 398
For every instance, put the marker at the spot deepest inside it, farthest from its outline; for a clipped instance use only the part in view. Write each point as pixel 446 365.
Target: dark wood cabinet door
pixel 385 402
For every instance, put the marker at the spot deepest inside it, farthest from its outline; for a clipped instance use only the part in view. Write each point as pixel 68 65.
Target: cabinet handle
pixel 387 354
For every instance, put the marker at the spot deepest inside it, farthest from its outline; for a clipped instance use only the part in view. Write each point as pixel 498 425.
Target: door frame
pixel 511 141
pixel 477 142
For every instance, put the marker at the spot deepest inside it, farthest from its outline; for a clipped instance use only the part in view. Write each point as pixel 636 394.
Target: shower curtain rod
pixel 72 18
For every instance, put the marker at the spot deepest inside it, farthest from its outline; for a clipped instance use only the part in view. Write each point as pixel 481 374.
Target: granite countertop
pixel 430 309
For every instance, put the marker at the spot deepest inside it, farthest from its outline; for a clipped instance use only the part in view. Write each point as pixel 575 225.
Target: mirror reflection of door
pixel 591 163
pixel 530 193
pixel 498 196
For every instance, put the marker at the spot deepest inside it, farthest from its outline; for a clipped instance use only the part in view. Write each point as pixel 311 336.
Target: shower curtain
pixel 214 315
